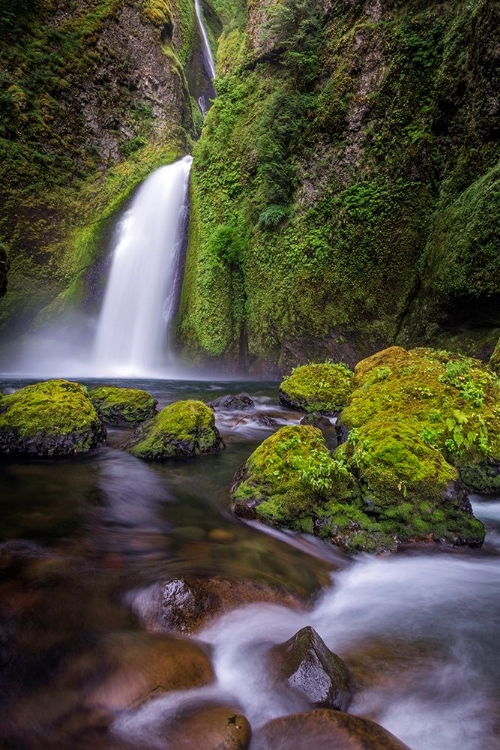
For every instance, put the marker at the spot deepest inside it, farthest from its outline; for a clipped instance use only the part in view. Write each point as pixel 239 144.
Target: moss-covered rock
pixel 451 402
pixel 322 387
pixel 185 428
pixel 123 407
pixel 381 489
pixel 52 418
pixel 287 478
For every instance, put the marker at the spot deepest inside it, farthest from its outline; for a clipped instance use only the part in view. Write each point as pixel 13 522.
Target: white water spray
pixel 207 54
pixel 139 302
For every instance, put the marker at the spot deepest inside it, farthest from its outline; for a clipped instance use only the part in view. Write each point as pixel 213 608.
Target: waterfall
pixel 140 297
pixel 207 54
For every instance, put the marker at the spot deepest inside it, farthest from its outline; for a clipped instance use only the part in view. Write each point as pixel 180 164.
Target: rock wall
pixel 93 96
pixel 345 187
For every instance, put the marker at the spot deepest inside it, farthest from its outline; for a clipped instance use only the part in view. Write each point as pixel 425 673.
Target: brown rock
pixel 309 666
pixel 325 729
pixel 210 728
pixel 139 666
pixel 187 604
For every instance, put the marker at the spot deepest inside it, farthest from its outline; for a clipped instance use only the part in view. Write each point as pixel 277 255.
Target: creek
pixel 418 630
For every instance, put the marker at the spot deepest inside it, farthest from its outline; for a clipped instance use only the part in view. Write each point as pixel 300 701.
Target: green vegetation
pixel 79 129
pixel 50 418
pixel 123 407
pixel 185 428
pixel 452 402
pixel 287 477
pixel 382 488
pixel 321 388
pixel 345 183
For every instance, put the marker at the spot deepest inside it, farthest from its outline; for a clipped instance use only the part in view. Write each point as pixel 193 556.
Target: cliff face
pixel 93 96
pixel 346 188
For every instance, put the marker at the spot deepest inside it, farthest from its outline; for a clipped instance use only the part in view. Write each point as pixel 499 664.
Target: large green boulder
pixel 287 478
pixel 185 428
pixel 317 388
pixel 53 418
pixel 382 489
pixel 451 402
pixel 123 407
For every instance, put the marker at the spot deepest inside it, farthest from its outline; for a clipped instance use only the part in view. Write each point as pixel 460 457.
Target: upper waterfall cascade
pixel 207 54
pixel 139 302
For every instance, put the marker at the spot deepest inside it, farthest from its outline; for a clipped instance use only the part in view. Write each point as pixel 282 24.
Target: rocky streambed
pixel 138 611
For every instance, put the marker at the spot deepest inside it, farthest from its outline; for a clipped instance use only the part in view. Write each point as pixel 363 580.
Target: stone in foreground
pixel 185 428
pixel 123 407
pixel 210 728
pixel 325 729
pixel 308 665
pixel 53 418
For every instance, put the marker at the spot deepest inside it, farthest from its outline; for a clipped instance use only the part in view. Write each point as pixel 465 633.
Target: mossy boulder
pixel 53 418
pixel 408 493
pixel 451 402
pixel 287 478
pixel 321 388
pixel 185 428
pixel 123 407
pixel 381 489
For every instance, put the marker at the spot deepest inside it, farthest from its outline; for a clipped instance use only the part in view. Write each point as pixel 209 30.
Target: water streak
pixel 140 296
pixel 207 54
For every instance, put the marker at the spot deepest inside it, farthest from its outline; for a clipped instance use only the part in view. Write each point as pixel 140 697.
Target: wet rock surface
pixel 53 418
pixel 325 729
pixel 234 403
pixel 187 604
pixel 210 728
pixel 308 666
pixel 185 428
pixel 123 407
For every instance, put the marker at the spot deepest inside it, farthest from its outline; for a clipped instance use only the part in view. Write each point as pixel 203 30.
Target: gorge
pixel 343 197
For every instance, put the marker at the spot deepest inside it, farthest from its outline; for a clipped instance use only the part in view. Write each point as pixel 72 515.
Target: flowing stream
pixel 207 53
pixel 98 534
pixel 140 296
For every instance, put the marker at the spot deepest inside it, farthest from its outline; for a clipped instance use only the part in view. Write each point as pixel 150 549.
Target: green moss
pixel 318 387
pixel 494 362
pixel 452 402
pixel 123 406
pixel 349 154
pixel 185 428
pixel 288 476
pixel 55 417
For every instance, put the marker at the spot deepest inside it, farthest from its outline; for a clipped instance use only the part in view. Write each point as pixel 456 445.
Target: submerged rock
pixel 187 604
pixel 138 666
pixel 185 428
pixel 123 407
pixel 325 729
pixel 210 728
pixel 233 403
pixel 53 418
pixel 308 665
pixel 323 388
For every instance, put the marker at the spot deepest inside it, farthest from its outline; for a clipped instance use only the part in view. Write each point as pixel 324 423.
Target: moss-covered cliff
pixel 346 190
pixel 94 94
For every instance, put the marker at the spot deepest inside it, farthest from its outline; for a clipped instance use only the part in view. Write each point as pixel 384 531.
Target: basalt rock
pixel 187 604
pixel 308 666
pixel 123 407
pixel 185 428
pixel 232 403
pixel 325 729
pixel 54 418
pixel 210 728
